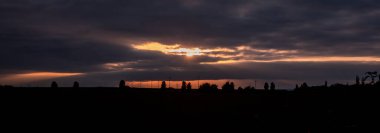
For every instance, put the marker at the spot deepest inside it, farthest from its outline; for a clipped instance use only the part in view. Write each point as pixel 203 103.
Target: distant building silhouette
pixel 54 84
pixel 163 85
pixel 183 87
pixel 266 86
pixel 188 87
pixel 76 84
pixel 272 86
pixel 122 84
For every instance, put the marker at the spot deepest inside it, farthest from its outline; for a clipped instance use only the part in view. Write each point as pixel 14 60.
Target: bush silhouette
pixel 249 89
pixel 122 84
pixel 163 85
pixel 54 84
pixel 272 86
pixel 188 87
pixel 266 86
pixel 183 87
pixel 76 84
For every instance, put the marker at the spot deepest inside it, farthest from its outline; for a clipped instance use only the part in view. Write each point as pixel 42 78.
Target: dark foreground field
pixel 137 110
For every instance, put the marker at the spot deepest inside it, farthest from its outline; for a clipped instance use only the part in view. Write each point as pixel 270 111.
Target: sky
pixel 100 42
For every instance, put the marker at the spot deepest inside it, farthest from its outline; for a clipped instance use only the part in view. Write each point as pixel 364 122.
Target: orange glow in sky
pixel 35 76
pixel 237 55
pixel 177 49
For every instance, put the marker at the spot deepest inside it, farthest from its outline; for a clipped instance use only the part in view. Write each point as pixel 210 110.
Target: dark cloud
pixel 85 35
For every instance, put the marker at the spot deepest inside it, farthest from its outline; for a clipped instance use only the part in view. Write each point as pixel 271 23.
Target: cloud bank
pixel 294 40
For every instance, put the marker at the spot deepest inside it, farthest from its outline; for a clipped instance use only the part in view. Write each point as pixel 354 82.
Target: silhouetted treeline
pixel 229 87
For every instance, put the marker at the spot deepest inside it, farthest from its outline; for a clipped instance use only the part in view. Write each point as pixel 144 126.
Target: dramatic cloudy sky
pixel 99 42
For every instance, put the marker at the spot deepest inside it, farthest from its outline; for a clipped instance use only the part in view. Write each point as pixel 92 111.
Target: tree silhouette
pixel 272 86
pixel 371 75
pixel 76 84
pixel 249 88
pixel 304 85
pixel 122 84
pixel 266 86
pixel 163 85
pixel 228 87
pixel 205 87
pixel 54 84
pixel 297 86
pixel 232 86
pixel 325 83
pixel 183 87
pixel 188 86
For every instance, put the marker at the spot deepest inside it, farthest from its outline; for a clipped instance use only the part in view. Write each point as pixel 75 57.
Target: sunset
pixel 187 49
pixel 193 36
